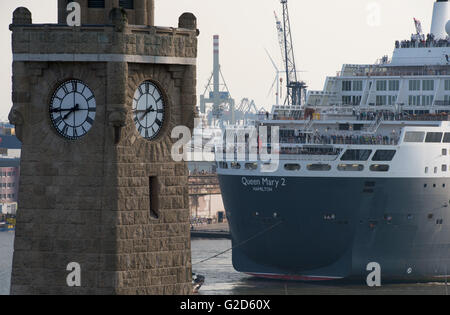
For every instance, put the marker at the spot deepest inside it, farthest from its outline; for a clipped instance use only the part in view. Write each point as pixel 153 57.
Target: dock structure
pixel 205 197
pixel 206 201
pixel 203 184
pixel 211 231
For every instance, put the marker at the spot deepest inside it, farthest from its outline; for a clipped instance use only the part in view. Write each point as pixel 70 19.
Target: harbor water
pixel 222 279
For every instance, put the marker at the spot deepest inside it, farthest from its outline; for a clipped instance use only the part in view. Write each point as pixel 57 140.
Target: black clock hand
pixel 147 111
pixel 74 109
pixel 59 110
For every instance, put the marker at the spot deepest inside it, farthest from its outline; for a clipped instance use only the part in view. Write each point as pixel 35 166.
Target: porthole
pixel 351 167
pixel 292 167
pixel 319 167
pixel 235 165
pixel 379 168
pixel 251 166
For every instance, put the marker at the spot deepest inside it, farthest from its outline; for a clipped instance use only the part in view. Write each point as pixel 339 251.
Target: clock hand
pixel 59 110
pixel 147 111
pixel 74 109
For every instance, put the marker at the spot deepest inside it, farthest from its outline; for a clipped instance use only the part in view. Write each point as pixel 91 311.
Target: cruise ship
pixel 363 174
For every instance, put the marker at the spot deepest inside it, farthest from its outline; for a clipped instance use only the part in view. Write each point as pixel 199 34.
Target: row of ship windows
pixel 311 167
pixel 382 100
pixel 357 155
pixel 349 155
pixel 363 155
pixel 431 137
pixel 394 85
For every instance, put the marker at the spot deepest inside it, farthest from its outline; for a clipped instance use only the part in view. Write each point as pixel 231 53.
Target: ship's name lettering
pixel 265 182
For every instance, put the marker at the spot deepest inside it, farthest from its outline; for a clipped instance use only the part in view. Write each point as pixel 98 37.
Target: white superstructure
pixel 389 119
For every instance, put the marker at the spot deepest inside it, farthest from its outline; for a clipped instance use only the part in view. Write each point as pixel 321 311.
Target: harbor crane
pixel 223 110
pixel 217 92
pixel 295 88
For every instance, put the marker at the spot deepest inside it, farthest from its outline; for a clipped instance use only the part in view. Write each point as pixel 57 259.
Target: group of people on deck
pixel 421 42
pixel 342 139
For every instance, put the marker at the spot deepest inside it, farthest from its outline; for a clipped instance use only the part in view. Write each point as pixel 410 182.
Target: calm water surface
pixel 222 279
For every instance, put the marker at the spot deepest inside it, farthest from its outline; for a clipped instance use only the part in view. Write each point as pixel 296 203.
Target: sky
pixel 326 35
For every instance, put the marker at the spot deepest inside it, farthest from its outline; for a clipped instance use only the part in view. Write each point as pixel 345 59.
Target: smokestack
pixel 441 16
pixel 216 67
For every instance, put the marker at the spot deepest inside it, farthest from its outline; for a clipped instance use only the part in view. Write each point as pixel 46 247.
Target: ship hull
pixel 306 228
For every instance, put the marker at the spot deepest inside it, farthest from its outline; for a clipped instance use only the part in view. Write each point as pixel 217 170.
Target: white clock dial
pixel 148 110
pixel 72 109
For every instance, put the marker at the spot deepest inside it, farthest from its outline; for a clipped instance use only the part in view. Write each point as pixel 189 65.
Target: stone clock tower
pixel 103 208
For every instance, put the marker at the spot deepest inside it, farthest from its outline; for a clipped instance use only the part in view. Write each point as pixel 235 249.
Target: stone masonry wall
pixel 134 40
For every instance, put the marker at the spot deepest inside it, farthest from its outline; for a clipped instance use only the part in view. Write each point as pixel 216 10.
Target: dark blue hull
pixel 327 228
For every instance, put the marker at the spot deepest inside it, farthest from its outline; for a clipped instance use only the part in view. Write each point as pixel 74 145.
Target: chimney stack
pixel 216 67
pixel 440 18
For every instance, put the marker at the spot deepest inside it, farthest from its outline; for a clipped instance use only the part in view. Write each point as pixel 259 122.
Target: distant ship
pixel 364 174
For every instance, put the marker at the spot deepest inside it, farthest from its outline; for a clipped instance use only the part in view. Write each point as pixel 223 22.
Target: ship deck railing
pixel 365 116
pixel 422 44
pixel 344 140
pixel 319 147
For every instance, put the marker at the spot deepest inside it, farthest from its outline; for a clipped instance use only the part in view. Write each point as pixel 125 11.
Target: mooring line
pixel 240 244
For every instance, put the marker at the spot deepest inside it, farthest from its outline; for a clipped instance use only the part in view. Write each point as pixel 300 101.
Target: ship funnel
pixel 441 16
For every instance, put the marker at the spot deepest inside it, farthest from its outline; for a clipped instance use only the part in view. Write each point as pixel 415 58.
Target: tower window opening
pixel 126 4
pixel 96 4
pixel 154 197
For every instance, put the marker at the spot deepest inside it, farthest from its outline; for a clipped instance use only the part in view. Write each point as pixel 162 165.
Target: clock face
pixel 148 110
pixel 72 109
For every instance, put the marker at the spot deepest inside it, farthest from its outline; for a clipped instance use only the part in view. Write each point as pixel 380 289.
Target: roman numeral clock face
pixel 72 109
pixel 148 110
